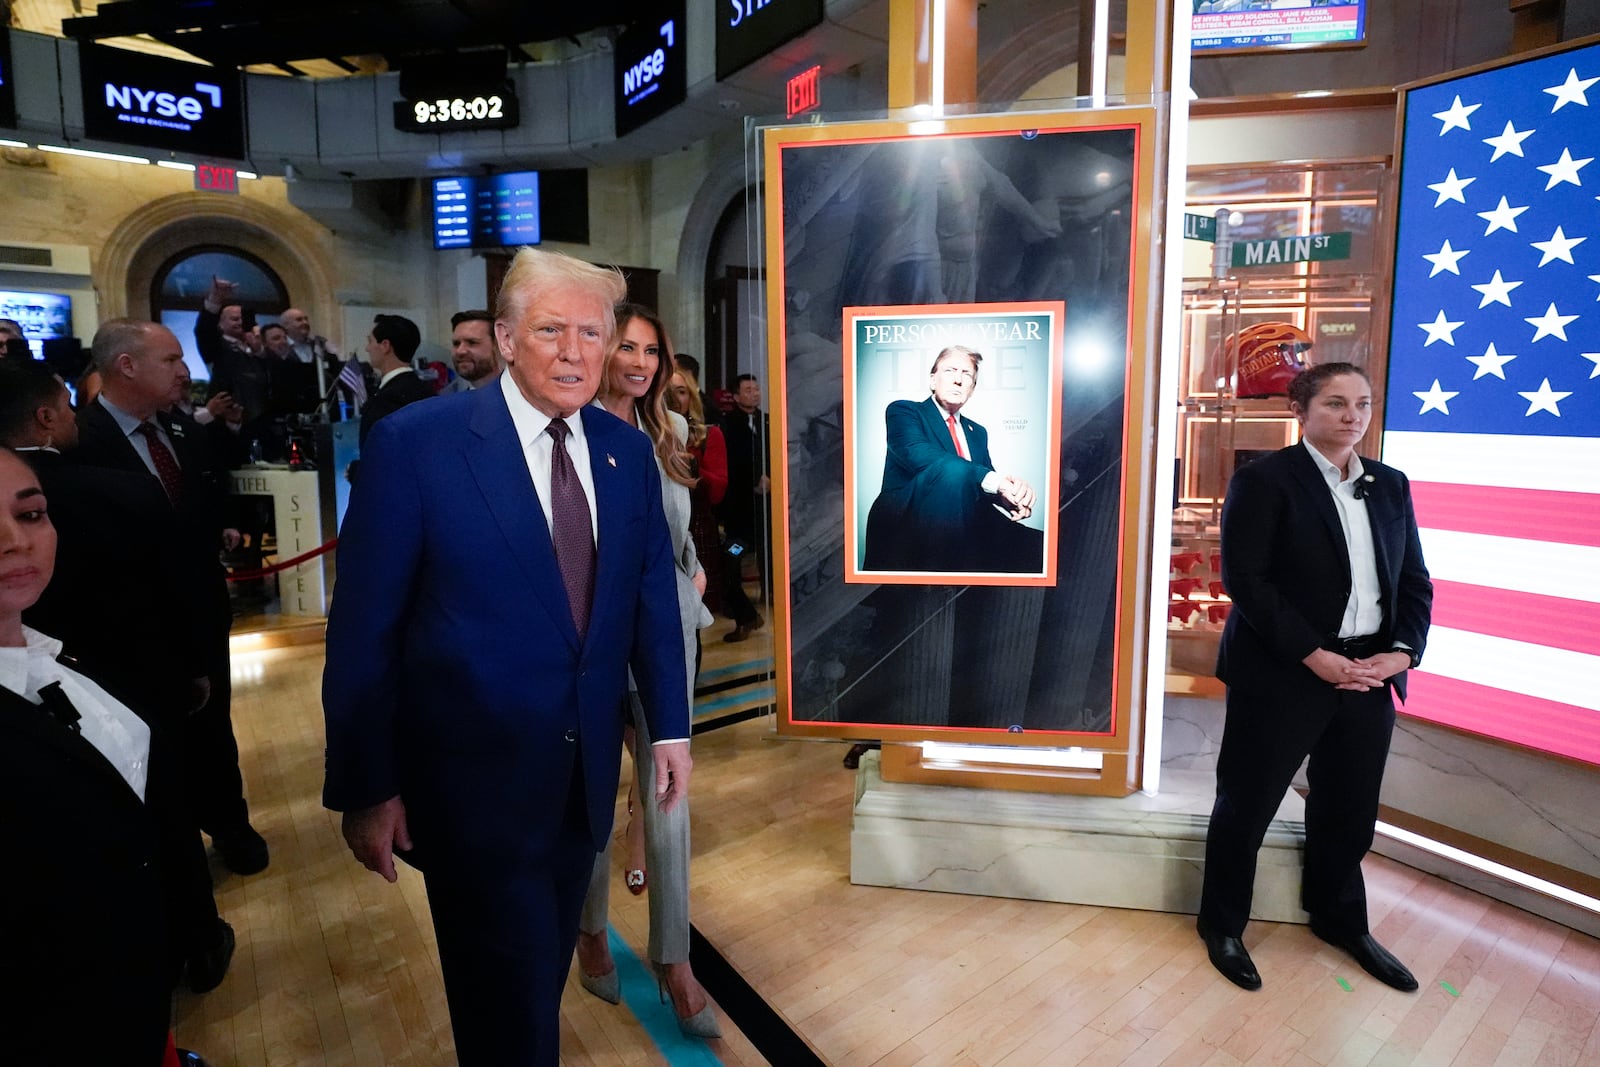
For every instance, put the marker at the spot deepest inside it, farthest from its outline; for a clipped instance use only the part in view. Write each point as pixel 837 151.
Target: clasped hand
pixel 1358 675
pixel 1018 495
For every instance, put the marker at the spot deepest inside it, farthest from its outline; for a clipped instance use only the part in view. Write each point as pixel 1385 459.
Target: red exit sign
pixel 805 91
pixel 214 178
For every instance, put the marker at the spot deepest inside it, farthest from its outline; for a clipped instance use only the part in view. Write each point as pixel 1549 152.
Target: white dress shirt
pixel 1363 611
pixel 538 445
pixel 120 736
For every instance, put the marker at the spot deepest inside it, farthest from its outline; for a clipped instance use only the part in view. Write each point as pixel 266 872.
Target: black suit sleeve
pixel 1256 568
pixel 1413 600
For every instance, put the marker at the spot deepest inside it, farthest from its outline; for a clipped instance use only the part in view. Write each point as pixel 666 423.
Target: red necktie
pixel 955 438
pixel 571 530
pixel 165 463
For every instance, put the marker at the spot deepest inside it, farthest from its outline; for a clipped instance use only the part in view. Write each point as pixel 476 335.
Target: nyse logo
pixel 643 78
pixel 149 107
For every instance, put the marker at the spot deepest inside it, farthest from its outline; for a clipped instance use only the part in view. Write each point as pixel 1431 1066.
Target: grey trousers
pixel 666 849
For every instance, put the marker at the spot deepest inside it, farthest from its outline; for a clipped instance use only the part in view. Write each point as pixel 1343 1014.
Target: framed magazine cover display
pixel 922 593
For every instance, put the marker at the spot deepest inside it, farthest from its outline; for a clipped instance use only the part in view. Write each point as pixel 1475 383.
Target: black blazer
pixel 1287 568
pixel 402 389
pixel 129 606
pixel 101 443
pixel 84 927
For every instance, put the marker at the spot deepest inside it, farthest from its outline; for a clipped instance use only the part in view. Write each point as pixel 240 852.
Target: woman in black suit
pixel 1331 602
pixel 83 792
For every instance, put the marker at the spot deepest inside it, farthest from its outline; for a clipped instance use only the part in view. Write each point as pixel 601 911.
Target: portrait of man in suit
pixel 943 506
pixel 503 564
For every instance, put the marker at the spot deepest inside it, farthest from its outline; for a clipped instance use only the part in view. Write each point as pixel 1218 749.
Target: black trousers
pixel 1346 736
pixel 506 937
pixel 211 757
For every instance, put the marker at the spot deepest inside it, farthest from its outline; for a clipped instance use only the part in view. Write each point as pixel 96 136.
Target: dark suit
pixel 1287 567
pixel 932 513
pixel 101 583
pixel 456 680
pixel 743 511
pixel 212 753
pixel 84 923
pixel 400 390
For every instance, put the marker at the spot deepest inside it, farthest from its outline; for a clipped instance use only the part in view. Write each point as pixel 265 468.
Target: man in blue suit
pixel 943 507
pixel 504 562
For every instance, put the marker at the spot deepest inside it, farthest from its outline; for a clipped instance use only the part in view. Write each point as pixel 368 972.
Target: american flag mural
pixel 1493 398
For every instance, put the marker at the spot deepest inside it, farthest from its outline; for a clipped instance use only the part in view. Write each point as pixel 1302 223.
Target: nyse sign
pixel 651 69
pixel 139 99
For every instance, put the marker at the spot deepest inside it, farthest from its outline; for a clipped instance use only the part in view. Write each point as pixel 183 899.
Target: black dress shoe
pixel 1373 957
pixel 1228 956
pixel 206 968
pixel 243 850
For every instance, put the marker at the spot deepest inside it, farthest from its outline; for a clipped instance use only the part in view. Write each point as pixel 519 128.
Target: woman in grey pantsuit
pixel 637 372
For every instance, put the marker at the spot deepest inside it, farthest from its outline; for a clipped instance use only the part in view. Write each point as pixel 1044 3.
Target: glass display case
pixel 1245 331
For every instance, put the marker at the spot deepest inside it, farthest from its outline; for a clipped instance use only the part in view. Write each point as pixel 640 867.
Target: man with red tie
pixel 130 427
pixel 943 507
pixel 505 561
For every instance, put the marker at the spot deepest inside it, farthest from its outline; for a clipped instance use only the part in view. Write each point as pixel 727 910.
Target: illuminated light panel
pixel 1069 758
pixel 13 144
pixel 1490 867
pixel 109 156
pixel 172 164
pixel 1543 568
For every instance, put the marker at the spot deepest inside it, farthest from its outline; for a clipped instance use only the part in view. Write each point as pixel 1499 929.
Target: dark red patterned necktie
pixel 572 532
pixel 165 463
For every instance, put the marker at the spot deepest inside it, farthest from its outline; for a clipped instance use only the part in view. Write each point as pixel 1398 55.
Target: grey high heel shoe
pixel 608 987
pixel 702 1024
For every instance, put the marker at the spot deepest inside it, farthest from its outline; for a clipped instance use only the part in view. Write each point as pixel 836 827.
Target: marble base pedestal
pixel 1130 852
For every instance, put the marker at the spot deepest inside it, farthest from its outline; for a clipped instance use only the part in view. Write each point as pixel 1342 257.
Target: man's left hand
pixel 1386 665
pixel 672 773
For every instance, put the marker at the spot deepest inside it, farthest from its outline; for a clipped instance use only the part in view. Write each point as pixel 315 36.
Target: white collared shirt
pixel 538 445
pixel 392 375
pixel 120 736
pixel 141 444
pixel 1363 612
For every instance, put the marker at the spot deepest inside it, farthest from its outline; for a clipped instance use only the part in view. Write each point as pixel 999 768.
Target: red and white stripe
pixel 1511 533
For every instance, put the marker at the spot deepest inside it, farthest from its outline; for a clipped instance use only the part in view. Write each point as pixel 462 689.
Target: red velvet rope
pixel 263 572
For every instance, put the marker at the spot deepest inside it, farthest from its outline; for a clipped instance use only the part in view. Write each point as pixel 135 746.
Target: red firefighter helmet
pixel 1270 355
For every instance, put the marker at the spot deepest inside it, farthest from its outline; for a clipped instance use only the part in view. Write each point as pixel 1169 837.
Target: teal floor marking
pixel 1448 988
pixel 1345 985
pixel 755 695
pixel 749 666
pixel 640 994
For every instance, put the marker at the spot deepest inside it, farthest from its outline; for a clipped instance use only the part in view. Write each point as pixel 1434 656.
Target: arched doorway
pixel 179 286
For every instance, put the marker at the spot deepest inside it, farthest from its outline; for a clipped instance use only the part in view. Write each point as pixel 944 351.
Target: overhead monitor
pixel 487 211
pixel 749 29
pixel 153 102
pixel 42 316
pixel 1252 25
pixel 650 68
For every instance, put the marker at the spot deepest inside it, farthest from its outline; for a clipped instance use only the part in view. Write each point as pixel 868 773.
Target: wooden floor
pixel 337 967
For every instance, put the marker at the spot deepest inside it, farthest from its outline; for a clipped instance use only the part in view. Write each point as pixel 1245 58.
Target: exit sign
pixel 804 91
pixel 216 178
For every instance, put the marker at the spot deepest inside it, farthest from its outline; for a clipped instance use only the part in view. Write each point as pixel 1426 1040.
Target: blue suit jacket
pixel 455 677
pixel 931 510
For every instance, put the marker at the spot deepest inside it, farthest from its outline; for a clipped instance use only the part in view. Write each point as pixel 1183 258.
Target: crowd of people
pixel 123 640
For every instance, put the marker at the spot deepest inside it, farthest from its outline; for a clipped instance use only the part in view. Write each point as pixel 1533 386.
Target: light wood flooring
pixel 337 967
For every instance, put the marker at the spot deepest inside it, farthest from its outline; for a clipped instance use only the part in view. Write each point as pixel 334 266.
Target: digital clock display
pixel 491 111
